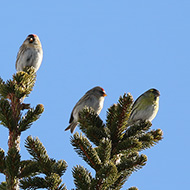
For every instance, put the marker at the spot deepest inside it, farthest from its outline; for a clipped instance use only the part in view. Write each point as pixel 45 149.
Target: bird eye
pixel 104 94
pixel 31 40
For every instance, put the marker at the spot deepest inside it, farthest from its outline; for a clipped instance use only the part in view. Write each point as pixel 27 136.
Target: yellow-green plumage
pixel 145 107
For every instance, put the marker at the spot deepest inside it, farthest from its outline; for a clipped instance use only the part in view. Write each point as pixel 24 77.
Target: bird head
pixel 32 39
pixel 97 91
pixel 153 93
pixel 101 91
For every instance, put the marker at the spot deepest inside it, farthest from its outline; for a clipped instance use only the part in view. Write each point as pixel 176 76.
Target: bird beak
pixel 104 94
pixel 158 94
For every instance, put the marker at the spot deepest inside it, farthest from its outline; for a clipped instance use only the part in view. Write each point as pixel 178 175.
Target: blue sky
pixel 123 46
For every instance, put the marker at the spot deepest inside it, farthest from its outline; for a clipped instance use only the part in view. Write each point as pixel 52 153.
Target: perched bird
pixel 94 98
pixel 30 53
pixel 145 107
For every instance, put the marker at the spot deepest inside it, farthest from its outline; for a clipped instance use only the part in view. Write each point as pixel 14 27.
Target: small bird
pixel 30 53
pixel 145 107
pixel 94 98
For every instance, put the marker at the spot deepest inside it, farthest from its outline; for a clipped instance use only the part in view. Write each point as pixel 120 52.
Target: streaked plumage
pixel 94 98
pixel 30 53
pixel 145 107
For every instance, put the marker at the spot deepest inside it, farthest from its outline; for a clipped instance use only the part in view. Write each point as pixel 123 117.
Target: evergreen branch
pixel 3 186
pixel 151 138
pixel 1 81
pixel 6 88
pixel 84 149
pixel 126 166
pixel 2 161
pixel 158 134
pixel 52 182
pixel 133 188
pixel 117 117
pixel 47 166
pixel 133 163
pixel 24 82
pixel 31 116
pixel 6 114
pixel 92 125
pixel 124 110
pixel 28 168
pixel 104 150
pixel 82 178
pixel 12 162
pixel 59 167
pixel 20 86
pixel 15 89
pixel 106 176
pixel 117 158
pixel 138 129
pixel 121 180
pixel 130 155
pixel 33 183
pixel 37 150
pixel 130 145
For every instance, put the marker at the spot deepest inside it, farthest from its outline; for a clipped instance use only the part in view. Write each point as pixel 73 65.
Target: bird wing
pixel 20 52
pixel 24 54
pixel 80 104
pixel 135 104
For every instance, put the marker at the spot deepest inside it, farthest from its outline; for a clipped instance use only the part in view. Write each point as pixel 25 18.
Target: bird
pixel 145 107
pixel 93 98
pixel 30 53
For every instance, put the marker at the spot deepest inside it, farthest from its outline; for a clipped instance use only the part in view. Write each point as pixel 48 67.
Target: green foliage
pixel 46 165
pixel 111 149
pixel 12 95
pixel 132 163
pixel 12 162
pixel 85 150
pixel 28 168
pixel 21 85
pixel 31 116
pixel 107 175
pixel 51 182
pixel 92 126
pixel 2 160
pixel 117 117
pixel 82 177
pixel 41 164
pixel 133 188
pixel 6 114
pixel 3 186
pixel 33 183
pixel 104 150
pixel 117 145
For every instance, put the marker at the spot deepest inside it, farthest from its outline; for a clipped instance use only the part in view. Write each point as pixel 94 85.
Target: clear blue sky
pixel 123 46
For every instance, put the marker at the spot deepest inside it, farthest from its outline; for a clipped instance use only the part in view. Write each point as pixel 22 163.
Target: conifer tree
pixel 17 117
pixel 112 148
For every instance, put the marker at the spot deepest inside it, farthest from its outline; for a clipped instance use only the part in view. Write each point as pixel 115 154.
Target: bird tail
pixel 72 126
